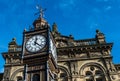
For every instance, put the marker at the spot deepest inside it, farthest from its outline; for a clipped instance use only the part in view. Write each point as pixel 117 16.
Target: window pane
pixel 99 79
pixel 36 77
pixel 19 78
pixel 88 73
pixel 63 77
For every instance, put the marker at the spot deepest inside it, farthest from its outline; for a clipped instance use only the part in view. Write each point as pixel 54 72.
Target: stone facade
pixel 77 60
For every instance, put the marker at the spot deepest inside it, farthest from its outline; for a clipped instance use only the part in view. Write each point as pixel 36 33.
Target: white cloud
pixel 92 23
pixel 67 4
pixel 108 8
pixel 67 7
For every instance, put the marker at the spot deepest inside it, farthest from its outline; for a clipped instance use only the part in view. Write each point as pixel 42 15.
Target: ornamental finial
pixel 41 11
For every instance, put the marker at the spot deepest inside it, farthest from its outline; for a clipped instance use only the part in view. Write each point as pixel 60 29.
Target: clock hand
pixel 37 43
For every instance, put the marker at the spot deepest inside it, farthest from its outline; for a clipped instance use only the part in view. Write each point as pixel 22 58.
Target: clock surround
pixel 35 43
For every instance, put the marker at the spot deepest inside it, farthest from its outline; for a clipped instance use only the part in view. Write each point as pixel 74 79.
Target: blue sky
pixel 80 18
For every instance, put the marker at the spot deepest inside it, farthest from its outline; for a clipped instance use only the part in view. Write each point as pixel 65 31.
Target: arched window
pixel 19 78
pixel 36 77
pixel 88 73
pixel 93 73
pixel 99 75
pixel 98 72
pixel 63 77
pixel 99 79
pixel 89 76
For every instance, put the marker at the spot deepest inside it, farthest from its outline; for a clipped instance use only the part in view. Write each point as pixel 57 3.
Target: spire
pixel 40 11
pixel 100 37
pixel 13 42
pixel 55 30
pixel 12 45
pixel 40 23
pixel 54 27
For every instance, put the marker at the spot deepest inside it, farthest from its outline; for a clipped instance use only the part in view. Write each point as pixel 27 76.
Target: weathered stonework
pixel 77 60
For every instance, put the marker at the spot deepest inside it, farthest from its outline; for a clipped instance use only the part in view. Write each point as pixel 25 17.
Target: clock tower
pixel 39 52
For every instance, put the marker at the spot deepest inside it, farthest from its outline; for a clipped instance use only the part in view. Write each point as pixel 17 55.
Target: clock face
pixel 53 48
pixel 35 43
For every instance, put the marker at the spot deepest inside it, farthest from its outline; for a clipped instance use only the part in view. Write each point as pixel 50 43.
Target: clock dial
pixel 53 48
pixel 35 43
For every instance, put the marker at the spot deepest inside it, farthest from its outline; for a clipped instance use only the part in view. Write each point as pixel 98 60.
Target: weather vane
pixel 41 11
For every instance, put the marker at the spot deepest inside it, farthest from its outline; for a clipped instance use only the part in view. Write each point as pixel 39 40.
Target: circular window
pixel 92 68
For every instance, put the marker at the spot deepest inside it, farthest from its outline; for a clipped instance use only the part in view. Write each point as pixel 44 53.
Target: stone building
pixel 47 55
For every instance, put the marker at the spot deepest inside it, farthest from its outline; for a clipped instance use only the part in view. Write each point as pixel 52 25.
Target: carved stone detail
pixel 33 68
